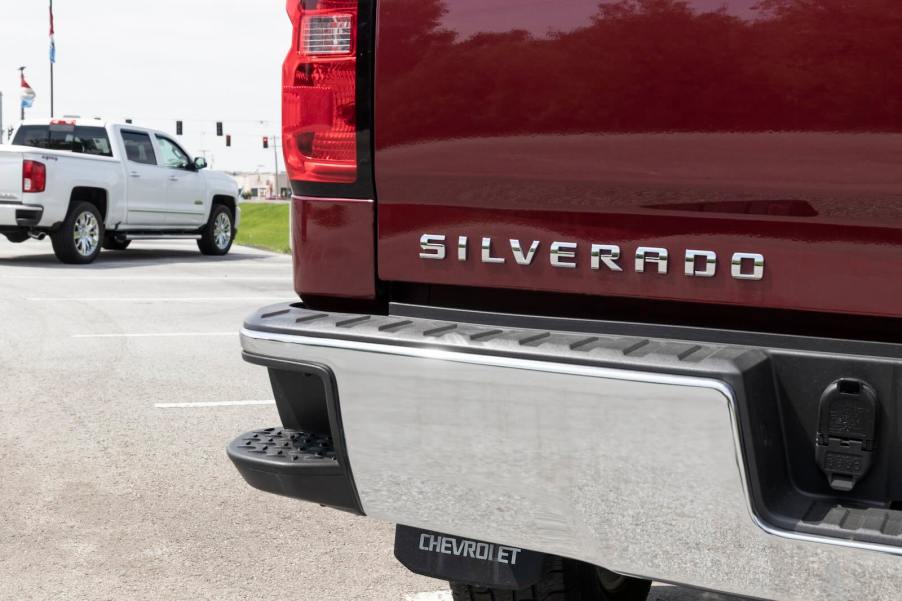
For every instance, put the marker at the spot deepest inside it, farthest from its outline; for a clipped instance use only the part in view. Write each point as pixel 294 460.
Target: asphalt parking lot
pixel 121 385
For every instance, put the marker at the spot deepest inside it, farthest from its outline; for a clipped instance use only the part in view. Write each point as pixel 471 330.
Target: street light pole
pixel 1 118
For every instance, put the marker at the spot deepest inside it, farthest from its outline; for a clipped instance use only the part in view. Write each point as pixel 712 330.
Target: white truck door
pixel 146 181
pixel 186 187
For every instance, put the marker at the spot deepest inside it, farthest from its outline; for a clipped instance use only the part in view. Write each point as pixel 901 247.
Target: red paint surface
pixel 770 126
pixel 334 248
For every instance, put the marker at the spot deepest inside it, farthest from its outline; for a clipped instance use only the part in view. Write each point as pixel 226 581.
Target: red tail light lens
pixel 319 91
pixel 34 177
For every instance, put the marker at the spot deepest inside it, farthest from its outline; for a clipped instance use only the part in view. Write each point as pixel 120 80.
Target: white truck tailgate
pixel 10 176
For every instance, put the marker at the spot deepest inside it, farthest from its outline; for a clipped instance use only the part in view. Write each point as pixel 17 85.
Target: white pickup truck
pixel 89 184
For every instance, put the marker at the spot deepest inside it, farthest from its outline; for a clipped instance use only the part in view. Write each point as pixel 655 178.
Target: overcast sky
pixel 195 60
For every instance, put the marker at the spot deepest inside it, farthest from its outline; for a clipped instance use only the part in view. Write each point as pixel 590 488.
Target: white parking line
pixel 436 596
pixel 212 404
pixel 158 335
pixel 186 299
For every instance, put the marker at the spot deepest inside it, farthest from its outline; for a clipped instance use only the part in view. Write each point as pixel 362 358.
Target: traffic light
pixel 265 142
pixel 179 129
pixel 219 128
pixel 228 141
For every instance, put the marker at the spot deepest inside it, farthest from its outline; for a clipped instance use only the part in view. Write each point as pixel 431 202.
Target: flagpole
pixel 52 57
pixel 22 104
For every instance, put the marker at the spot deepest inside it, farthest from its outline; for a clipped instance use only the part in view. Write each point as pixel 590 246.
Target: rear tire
pixel 78 240
pixel 111 243
pixel 564 580
pixel 219 233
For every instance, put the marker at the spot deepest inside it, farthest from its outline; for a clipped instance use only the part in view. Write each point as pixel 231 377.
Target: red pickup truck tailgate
pixel 769 128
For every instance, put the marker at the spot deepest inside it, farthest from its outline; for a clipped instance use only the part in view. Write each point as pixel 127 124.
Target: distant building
pixel 261 186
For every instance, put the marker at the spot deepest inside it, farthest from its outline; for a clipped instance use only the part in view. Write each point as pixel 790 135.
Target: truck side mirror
pixel 200 163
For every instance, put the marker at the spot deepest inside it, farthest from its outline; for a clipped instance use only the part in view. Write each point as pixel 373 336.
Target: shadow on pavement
pixel 130 258
pixel 661 592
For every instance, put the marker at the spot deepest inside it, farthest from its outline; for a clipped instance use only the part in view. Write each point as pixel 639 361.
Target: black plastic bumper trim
pixel 29 217
pixel 304 465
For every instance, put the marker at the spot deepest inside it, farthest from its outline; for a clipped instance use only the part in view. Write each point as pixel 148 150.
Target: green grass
pixel 264 226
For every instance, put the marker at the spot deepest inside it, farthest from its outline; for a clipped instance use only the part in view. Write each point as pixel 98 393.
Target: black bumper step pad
pixel 865 525
pixel 292 463
pixel 280 445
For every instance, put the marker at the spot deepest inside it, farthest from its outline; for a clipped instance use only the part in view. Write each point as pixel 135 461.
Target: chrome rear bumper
pixel 523 438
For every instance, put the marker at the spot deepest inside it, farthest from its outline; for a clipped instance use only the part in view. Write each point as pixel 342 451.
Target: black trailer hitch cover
pixel 467 561
pixel 846 429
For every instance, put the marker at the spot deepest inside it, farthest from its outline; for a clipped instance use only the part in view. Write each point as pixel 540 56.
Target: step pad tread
pixel 865 524
pixel 288 446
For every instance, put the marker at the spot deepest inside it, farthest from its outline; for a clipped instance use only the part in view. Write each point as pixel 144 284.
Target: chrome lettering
pixel 487 252
pixel 710 261
pixel 657 256
pixel 562 253
pixel 566 255
pixel 519 257
pixel 738 266
pixel 607 254
pixel 432 247
pixel 463 246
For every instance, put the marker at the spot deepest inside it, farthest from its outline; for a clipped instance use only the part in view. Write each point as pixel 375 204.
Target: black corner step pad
pixel 283 447
pixel 300 465
pixel 865 525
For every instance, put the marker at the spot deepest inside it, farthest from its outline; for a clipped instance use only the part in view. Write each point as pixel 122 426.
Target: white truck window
pixel 81 139
pixel 92 140
pixel 139 148
pixel 173 156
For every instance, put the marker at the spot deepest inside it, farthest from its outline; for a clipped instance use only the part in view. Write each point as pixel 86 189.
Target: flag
pixel 52 36
pixel 28 94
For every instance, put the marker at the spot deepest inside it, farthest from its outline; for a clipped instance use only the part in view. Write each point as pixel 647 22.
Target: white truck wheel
pixel 78 239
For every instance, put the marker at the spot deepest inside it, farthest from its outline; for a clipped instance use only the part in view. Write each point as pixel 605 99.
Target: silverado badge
pixel 567 255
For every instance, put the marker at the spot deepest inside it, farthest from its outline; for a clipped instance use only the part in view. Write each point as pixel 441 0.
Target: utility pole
pixel 1 117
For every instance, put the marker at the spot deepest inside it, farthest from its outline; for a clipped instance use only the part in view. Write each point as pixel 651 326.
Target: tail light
pixel 34 176
pixel 319 91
